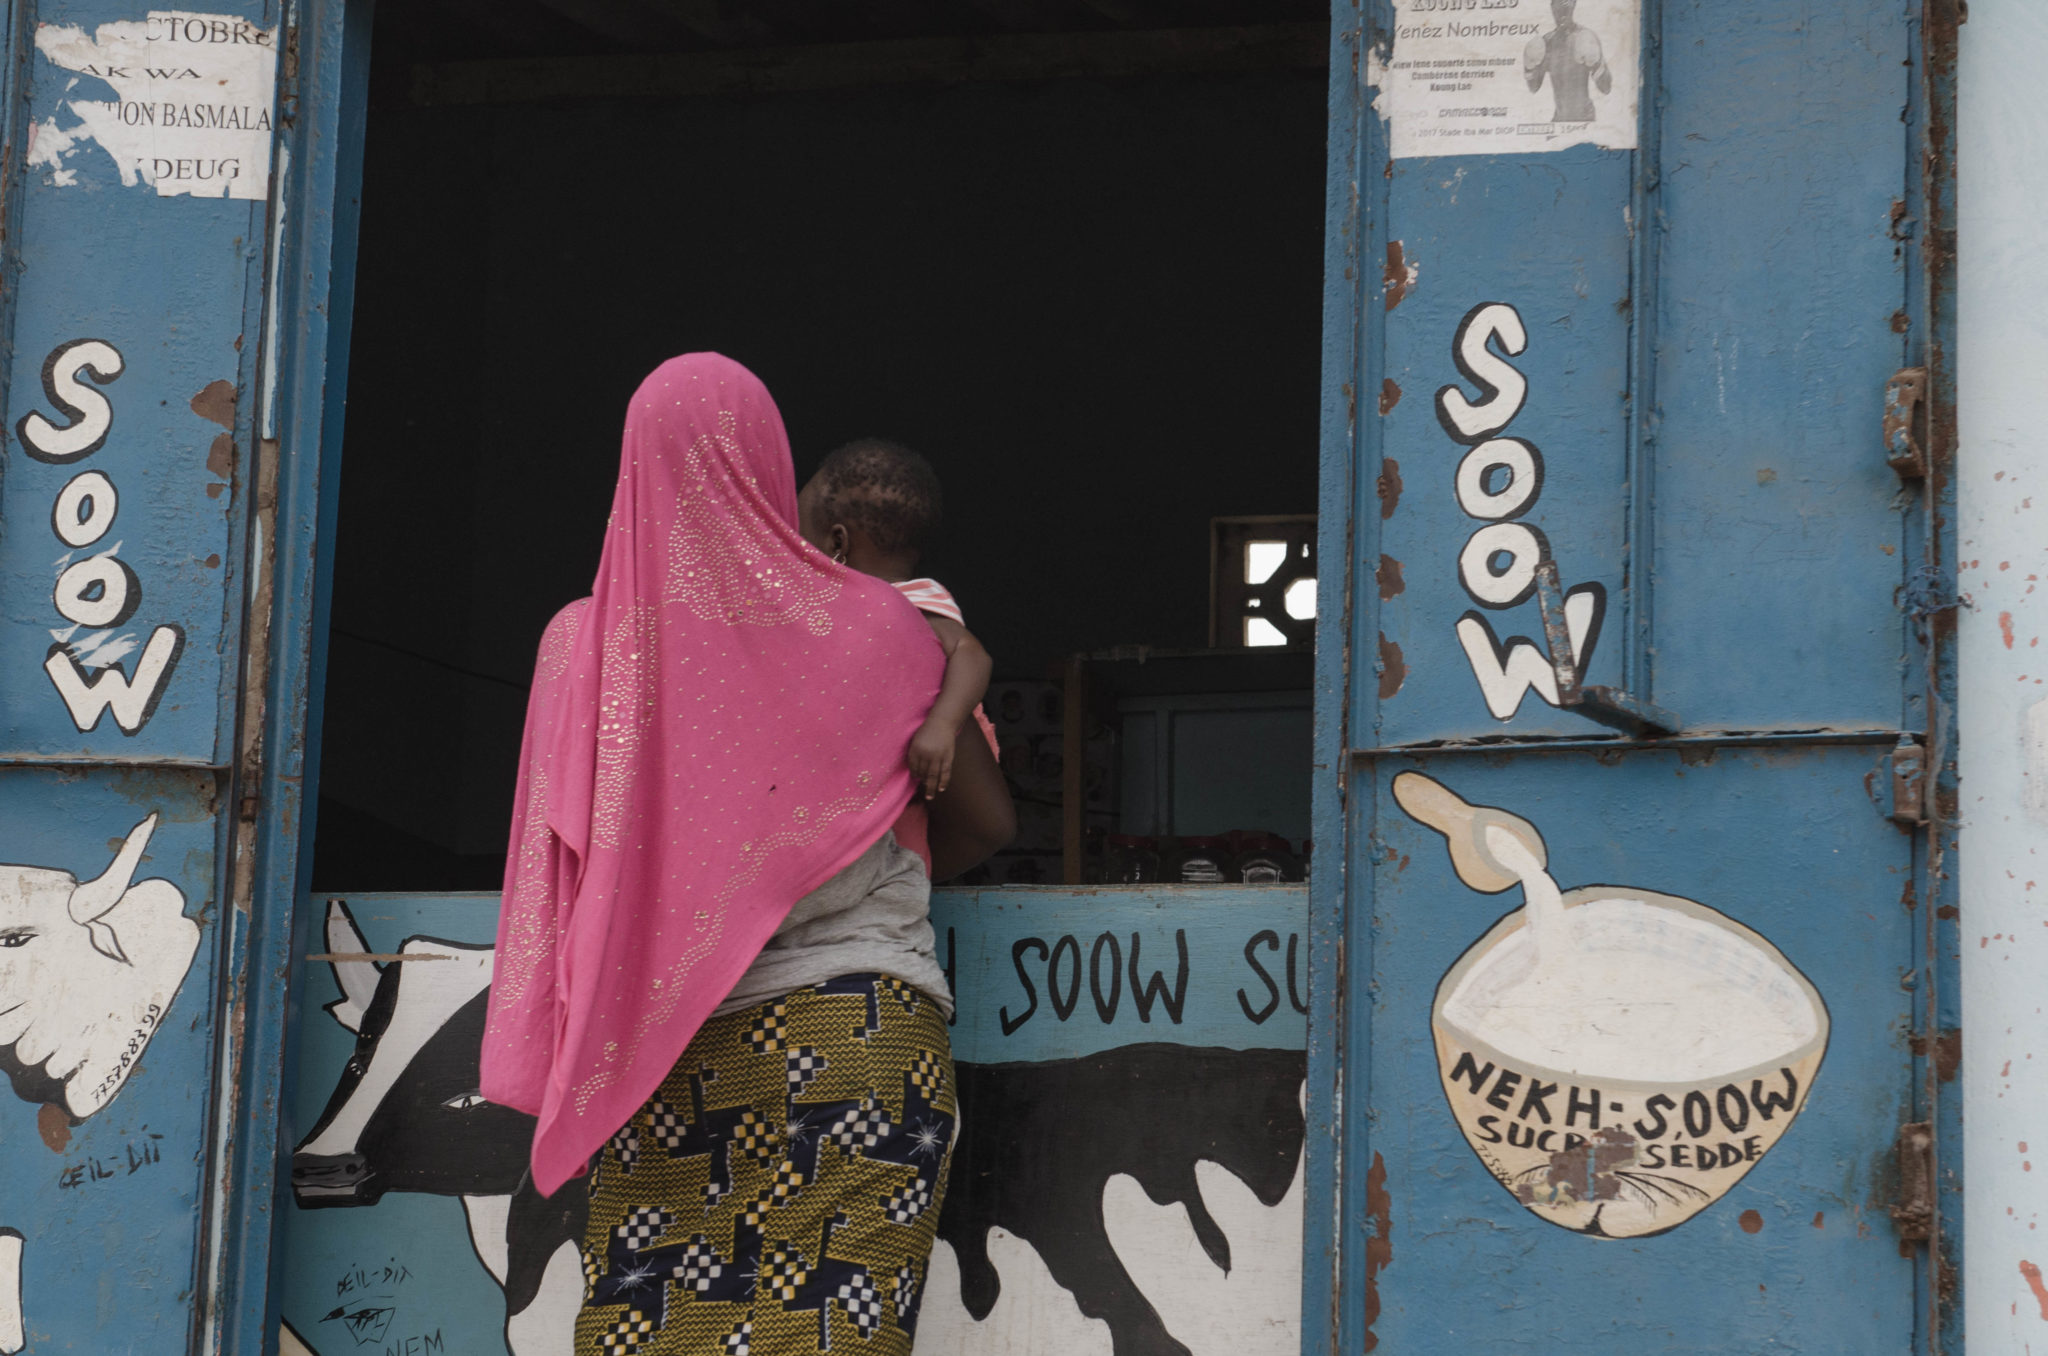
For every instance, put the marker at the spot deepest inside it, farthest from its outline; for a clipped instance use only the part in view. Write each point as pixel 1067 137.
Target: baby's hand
pixel 931 757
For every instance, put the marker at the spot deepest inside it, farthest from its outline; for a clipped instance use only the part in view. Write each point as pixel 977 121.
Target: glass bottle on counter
pixel 1262 859
pixel 1129 859
pixel 1198 861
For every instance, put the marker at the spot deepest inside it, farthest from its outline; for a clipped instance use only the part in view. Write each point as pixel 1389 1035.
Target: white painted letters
pixel 100 591
pixel 1506 672
pixel 85 509
pixel 132 700
pixel 1522 462
pixel 97 591
pixel 1502 388
pixel 12 1333
pixel 1510 581
pixel 92 414
pixel 1497 482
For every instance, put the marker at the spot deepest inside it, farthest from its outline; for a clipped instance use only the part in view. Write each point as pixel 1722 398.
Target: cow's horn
pixel 90 900
pixel 358 979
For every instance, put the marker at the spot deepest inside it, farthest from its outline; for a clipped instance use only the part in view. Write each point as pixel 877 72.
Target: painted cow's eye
pixel 464 1102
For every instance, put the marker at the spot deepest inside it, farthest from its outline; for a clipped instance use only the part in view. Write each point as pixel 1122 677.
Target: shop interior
pixel 1071 250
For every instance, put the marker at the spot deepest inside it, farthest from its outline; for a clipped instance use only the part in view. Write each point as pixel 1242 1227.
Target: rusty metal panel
pixel 1780 563
pixel 127 420
pixel 1538 472
pixel 1588 362
pixel 1718 1163
pixel 136 211
pixel 1585 369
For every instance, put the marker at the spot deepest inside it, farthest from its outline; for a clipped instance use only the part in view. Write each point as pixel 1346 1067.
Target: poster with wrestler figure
pixel 1470 77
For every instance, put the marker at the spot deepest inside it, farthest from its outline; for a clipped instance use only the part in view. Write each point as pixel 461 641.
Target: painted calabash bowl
pixel 1624 1116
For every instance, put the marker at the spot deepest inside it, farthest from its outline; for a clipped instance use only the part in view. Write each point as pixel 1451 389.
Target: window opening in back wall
pixel 1089 292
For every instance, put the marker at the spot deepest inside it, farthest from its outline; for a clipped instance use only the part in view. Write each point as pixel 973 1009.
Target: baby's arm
pixel 967 673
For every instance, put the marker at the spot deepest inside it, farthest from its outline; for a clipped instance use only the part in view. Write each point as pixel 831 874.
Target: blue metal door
pixel 1632 979
pixel 136 206
pixel 168 207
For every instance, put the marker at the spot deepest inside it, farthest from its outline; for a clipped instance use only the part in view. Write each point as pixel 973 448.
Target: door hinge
pixel 1904 419
pixel 1909 782
pixel 1914 1212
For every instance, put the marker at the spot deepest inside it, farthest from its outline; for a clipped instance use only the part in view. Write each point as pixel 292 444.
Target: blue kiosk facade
pixel 1618 1011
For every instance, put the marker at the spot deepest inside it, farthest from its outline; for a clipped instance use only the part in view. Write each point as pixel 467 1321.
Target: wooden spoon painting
pixel 1464 826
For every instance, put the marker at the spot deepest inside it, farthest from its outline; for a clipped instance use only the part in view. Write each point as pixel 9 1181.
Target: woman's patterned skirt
pixel 780 1192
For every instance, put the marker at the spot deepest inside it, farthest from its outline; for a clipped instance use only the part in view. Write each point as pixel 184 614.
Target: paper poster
pixel 1484 77
pixel 191 106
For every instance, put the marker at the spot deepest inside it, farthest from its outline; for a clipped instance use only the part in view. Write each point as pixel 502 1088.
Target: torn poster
pixel 1483 77
pixel 191 106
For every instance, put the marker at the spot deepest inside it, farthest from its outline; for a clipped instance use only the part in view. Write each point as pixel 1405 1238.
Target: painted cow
pixel 1057 1164
pixel 87 971
pixel 1042 1144
pixel 406 1116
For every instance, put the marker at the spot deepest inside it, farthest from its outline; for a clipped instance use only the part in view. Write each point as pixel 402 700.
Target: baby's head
pixel 872 504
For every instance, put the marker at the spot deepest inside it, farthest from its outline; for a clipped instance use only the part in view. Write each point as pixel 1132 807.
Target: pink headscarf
pixel 715 732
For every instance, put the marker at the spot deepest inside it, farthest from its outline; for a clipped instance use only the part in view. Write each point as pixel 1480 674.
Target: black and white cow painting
pixel 1066 1156
pixel 88 970
pixel 1143 1201
pixel 406 1116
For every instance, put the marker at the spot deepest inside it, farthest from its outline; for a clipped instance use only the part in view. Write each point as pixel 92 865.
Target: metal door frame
pixel 1345 535
pixel 310 282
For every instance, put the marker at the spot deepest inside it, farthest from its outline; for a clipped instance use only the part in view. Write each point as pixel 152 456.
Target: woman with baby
pixel 716 986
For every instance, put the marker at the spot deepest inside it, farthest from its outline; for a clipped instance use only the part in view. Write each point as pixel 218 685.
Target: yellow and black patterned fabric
pixel 780 1192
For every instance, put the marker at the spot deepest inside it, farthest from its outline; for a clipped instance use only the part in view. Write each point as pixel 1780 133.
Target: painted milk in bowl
pixel 1621 1067
pixel 1635 991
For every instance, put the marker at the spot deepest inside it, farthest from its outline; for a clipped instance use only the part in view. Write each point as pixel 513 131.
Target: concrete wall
pixel 2004 700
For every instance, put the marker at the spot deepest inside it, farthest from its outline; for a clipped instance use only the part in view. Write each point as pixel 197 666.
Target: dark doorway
pixel 1070 251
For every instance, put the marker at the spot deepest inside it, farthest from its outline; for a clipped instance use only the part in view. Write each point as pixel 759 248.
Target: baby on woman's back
pixel 872 505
